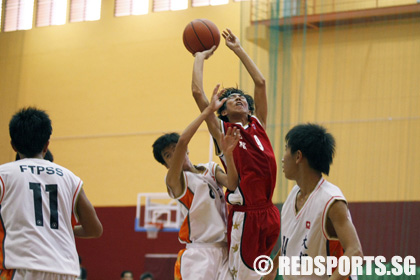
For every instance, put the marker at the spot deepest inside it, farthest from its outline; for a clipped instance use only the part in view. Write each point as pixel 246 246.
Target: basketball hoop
pixel 153 229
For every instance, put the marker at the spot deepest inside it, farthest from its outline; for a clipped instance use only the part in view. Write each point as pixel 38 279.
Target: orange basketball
pixel 200 35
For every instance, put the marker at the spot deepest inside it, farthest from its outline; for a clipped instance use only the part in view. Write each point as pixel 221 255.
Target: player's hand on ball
pixel 206 53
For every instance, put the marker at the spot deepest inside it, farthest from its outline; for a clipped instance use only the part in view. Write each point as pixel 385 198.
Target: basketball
pixel 200 35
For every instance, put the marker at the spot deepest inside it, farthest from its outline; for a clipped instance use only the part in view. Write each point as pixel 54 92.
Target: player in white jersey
pixel 40 204
pixel 315 218
pixel 198 188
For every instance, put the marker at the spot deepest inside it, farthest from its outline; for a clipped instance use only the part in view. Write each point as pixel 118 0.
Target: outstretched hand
pixel 230 39
pixel 229 141
pixel 206 53
pixel 215 103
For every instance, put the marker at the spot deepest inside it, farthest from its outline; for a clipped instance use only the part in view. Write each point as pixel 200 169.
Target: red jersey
pixel 255 162
pixel 252 200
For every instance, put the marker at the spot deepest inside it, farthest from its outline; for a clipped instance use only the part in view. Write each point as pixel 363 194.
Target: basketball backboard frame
pixel 158 208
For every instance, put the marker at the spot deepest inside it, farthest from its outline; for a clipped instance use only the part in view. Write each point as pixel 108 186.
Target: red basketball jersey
pixel 255 162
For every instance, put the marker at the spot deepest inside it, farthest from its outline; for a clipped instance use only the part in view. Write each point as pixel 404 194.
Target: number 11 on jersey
pixel 39 217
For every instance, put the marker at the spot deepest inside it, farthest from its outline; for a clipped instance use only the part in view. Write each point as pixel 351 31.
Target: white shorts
pixel 25 274
pixel 205 262
pixel 236 266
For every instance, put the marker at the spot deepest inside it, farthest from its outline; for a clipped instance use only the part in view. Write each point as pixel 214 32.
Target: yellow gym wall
pixel 358 80
pixel 111 87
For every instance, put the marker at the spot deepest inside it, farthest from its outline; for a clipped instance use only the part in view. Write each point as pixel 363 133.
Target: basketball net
pixel 153 229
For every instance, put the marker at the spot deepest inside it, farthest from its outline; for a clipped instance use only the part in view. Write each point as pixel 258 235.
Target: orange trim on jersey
pixel 214 170
pixel 177 269
pixel 323 215
pixel 187 198
pixel 2 233
pixel 336 250
pixel 184 231
pixel 73 221
pixel 74 218
pixel 7 274
pixel 2 236
pixel 2 190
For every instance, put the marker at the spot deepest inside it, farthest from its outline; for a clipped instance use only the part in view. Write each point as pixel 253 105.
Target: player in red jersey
pixel 253 222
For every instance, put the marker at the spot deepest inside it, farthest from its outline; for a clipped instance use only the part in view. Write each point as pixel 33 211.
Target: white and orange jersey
pixel 304 233
pixel 203 206
pixel 37 207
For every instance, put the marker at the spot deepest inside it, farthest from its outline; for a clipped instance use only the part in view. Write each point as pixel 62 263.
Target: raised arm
pixel 260 94
pixel 197 78
pixel 174 178
pixel 199 95
pixel 90 226
pixel 228 143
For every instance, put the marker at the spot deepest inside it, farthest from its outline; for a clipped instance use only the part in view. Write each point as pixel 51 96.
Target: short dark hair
pixel 315 143
pixel 126 271
pixel 161 143
pixel 146 275
pixel 48 156
pixel 229 91
pixel 30 129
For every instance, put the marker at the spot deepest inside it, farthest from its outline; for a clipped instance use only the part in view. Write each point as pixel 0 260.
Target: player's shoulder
pixel 330 189
pixel 56 165
pixel 60 170
pixel 8 165
pixel 207 165
pixel 254 119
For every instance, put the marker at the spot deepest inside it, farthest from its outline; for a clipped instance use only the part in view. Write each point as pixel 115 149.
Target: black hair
pixel 30 129
pixel 146 275
pixel 126 271
pixel 229 91
pixel 163 142
pixel 315 143
pixel 48 156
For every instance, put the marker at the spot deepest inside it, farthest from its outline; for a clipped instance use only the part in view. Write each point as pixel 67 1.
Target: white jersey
pixel 304 233
pixel 37 201
pixel 203 206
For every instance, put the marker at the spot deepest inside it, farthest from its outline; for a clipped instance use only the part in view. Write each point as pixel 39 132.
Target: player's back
pixel 37 200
